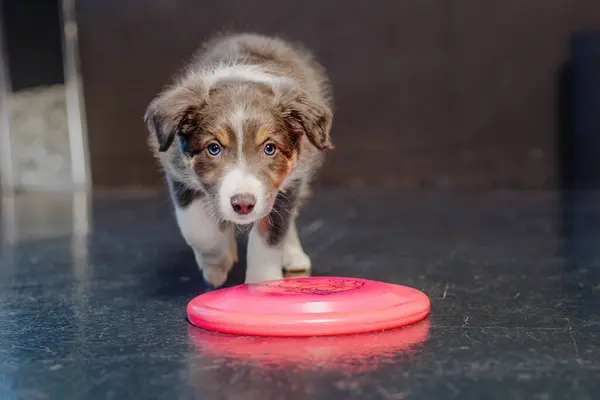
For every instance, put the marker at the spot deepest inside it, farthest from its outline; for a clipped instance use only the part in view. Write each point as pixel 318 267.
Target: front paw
pixel 215 272
pixel 264 273
pixel 264 259
pixel 295 260
pixel 214 277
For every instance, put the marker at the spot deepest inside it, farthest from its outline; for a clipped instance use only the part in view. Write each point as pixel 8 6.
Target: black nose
pixel 243 203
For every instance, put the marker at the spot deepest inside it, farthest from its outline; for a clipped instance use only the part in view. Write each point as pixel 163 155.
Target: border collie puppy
pixel 239 135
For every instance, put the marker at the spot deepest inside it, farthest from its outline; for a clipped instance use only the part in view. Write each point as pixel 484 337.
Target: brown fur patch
pixel 222 137
pixel 263 225
pixel 293 161
pixel 261 136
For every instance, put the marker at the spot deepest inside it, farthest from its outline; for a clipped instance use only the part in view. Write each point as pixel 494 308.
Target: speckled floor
pixel 92 305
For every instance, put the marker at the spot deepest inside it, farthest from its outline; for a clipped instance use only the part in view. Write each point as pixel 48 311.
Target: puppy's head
pixel 235 142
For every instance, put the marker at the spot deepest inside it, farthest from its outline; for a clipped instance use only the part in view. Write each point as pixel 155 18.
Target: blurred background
pixel 430 93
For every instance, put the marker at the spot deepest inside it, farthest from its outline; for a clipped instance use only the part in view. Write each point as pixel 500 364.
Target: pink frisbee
pixel 313 306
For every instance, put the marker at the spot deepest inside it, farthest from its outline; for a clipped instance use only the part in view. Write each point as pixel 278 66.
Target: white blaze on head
pixel 236 119
pixel 238 180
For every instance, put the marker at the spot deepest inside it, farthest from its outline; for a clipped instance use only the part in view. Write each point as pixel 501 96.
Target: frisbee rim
pixel 415 309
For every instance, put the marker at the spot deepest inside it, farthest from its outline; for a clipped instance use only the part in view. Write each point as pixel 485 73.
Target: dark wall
pixel 32 35
pixel 459 93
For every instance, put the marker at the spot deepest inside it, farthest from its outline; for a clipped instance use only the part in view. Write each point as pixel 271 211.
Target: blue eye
pixel 214 149
pixel 270 149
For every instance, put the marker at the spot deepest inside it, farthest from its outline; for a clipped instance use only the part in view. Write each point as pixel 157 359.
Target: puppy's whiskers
pixel 243 228
pixel 278 213
pixel 289 201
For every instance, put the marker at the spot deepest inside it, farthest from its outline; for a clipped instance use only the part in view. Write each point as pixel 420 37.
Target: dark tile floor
pixel 92 306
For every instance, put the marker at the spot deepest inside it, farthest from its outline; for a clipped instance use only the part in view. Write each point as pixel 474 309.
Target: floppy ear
pixel 302 115
pixel 167 112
